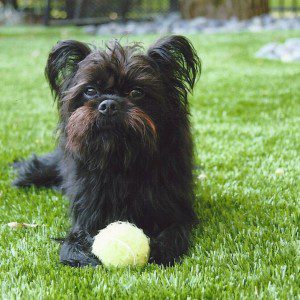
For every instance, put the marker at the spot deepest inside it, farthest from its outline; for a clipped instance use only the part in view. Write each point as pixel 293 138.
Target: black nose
pixel 108 107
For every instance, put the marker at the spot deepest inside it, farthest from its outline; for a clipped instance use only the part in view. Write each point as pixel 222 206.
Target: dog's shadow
pixel 221 220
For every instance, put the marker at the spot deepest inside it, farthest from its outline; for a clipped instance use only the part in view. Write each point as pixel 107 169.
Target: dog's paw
pixel 79 262
pixel 159 255
pixel 73 256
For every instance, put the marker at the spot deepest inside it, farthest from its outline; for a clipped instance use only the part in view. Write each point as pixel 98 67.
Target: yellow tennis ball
pixel 121 244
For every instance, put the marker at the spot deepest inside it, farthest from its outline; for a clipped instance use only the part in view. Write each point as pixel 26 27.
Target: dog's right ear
pixel 63 62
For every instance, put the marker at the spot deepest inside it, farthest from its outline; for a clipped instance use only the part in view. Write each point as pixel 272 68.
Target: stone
pixel 292 43
pixel 267 50
pixel 173 23
pixel 286 52
pixel 91 29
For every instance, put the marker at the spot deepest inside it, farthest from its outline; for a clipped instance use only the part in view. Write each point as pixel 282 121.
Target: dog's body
pixel 125 148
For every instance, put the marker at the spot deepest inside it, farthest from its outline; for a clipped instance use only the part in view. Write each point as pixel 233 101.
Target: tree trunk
pixel 223 9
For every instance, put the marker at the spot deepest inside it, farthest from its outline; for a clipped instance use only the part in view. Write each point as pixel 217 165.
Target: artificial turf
pixel 245 117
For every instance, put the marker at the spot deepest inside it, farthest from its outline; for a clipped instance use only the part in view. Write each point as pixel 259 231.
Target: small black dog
pixel 125 148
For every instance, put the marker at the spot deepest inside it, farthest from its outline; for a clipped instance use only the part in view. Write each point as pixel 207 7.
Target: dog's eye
pixel 136 93
pixel 90 91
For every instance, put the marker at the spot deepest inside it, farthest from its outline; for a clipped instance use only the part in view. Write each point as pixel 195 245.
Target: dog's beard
pixel 98 141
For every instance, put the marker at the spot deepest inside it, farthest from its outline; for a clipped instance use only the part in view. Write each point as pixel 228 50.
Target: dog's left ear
pixel 178 63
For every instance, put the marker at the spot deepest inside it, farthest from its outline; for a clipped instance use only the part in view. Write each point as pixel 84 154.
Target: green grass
pixel 245 117
pixel 283 3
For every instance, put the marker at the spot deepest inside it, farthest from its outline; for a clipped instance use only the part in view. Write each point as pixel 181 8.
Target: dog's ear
pixel 178 63
pixel 63 62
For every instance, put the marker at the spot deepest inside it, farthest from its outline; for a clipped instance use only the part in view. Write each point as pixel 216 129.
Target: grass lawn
pixel 245 117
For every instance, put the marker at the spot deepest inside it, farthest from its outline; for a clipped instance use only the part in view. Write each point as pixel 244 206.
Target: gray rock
pixel 257 21
pixel 267 20
pixel 90 29
pixel 198 23
pixel 255 28
pixel 172 23
pixel 266 50
pixel 233 25
pixel 286 52
pixel 292 43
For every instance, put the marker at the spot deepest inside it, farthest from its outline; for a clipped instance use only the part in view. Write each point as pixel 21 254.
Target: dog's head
pixel 120 97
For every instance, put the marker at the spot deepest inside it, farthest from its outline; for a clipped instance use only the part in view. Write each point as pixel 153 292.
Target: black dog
pixel 125 148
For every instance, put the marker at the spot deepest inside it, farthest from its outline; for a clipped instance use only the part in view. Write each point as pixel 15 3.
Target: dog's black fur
pixel 134 164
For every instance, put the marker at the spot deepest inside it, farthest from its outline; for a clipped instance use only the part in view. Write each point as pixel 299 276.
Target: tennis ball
pixel 121 244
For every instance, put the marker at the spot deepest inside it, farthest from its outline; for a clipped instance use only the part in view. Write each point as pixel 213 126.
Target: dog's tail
pixel 42 171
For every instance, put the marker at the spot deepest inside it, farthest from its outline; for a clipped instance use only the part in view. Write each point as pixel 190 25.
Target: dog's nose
pixel 108 107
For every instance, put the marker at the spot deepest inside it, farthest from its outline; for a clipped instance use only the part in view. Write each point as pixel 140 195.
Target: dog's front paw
pixel 73 256
pixel 159 254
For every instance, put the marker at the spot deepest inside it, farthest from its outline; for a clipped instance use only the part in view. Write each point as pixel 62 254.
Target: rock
pixel 233 25
pixel 267 20
pixel 255 28
pixel 267 51
pixel 286 52
pixel 91 29
pixel 292 43
pixel 290 57
pixel 172 23
pixel 257 21
pixel 198 23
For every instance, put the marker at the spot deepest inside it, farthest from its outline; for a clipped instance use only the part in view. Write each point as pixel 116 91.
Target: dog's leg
pixel 170 244
pixel 40 171
pixel 76 250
